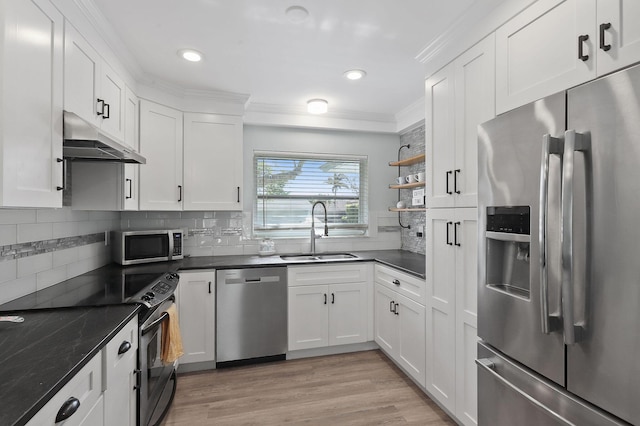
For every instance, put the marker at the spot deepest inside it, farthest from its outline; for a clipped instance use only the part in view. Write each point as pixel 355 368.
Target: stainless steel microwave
pixel 131 247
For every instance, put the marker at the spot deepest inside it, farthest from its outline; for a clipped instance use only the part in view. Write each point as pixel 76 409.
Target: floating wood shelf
pixel 408 209
pixel 408 161
pixel 406 185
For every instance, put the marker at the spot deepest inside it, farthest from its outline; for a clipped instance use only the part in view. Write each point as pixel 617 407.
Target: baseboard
pixel 332 350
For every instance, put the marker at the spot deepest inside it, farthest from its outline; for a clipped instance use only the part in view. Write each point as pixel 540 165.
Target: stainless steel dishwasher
pixel 251 315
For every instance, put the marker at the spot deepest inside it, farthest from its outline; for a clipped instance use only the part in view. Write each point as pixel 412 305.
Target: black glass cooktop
pixel 91 289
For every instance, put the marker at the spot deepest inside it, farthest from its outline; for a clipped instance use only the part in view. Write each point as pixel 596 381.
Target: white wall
pixel 379 148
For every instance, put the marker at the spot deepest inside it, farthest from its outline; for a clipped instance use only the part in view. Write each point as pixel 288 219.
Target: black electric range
pixel 104 286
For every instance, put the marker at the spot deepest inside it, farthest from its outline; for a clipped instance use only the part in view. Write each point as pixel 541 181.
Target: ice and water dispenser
pixel 508 237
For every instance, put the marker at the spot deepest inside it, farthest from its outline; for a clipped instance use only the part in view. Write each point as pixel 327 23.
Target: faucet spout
pixel 313 228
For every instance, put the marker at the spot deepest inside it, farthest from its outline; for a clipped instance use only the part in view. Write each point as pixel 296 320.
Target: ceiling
pixel 252 47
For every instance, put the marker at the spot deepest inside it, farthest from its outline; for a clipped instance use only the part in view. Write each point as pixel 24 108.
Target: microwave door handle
pixel 573 142
pixel 550 146
pixel 170 254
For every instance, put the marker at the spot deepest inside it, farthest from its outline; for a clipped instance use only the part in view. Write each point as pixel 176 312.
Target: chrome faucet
pixel 313 228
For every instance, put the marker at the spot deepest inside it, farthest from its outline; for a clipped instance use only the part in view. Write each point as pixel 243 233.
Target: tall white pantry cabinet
pixel 458 98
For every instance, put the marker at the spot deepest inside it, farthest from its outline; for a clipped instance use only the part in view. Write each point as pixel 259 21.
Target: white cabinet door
pixel 196 309
pixel 347 313
pixel 617 25
pixel 411 337
pixel 538 51
pixel 81 76
pixel 112 92
pixel 466 280
pixel 440 137
pixel 120 356
pixel 308 317
pixel 161 144
pixel 386 332
pixel 458 98
pixel 31 113
pixel 475 104
pixel 213 159
pixel 440 317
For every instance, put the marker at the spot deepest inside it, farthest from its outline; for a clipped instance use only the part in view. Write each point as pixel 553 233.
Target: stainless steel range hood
pixel 85 142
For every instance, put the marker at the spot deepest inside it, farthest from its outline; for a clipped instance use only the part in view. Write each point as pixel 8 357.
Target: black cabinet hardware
pixel 449 243
pixel 391 305
pixel 455 180
pixel 105 116
pixel 333 298
pixel 455 233
pixel 64 174
pixel 396 311
pixel 396 282
pixel 581 40
pixel 449 172
pixel 101 111
pixel 179 193
pixel 209 287
pixel 68 409
pixel 603 31
pixel 238 194
pixel 129 184
pixel 124 348
pixel 325 298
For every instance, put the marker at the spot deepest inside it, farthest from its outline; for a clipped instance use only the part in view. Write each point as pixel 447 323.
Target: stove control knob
pixel 145 298
pixel 150 294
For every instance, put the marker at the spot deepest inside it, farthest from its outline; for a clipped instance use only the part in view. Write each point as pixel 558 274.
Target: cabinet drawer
pixel 327 274
pixel 412 287
pixel 86 386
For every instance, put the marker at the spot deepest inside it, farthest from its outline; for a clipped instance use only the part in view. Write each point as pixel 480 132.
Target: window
pixel 287 185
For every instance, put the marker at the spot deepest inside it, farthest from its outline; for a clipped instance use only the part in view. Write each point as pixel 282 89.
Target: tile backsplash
pixel 221 233
pixel 40 248
pixel 410 241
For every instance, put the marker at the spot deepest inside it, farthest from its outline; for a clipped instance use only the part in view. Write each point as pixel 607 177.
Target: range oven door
pixel 157 381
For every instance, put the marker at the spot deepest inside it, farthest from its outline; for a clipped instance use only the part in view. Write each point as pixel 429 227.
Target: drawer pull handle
pixel 396 282
pixel 68 409
pixel 581 40
pixel 124 348
pixel 603 28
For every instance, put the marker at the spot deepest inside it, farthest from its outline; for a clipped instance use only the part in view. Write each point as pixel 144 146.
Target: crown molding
pixel 411 117
pixel 481 19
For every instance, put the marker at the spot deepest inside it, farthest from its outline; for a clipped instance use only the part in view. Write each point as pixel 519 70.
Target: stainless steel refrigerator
pixel 559 266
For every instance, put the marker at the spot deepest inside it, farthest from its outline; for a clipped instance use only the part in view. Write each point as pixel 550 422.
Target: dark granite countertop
pixel 412 263
pixel 40 355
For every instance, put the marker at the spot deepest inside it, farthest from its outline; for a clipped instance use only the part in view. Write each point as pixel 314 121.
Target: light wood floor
pixel 362 388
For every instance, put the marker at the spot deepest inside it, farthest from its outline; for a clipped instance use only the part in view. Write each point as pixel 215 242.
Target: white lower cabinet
pixel 121 358
pixel 84 390
pixel 451 310
pixel 329 305
pixel 196 307
pixel 399 321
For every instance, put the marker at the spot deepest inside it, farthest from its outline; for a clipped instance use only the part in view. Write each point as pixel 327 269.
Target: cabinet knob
pixel 68 409
pixel 124 347
pixel 396 282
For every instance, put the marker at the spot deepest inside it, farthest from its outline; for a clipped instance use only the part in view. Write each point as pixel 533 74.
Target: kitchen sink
pixel 320 256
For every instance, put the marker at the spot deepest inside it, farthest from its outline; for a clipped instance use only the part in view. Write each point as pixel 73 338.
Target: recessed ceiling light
pixel 354 74
pixel 296 14
pixel 190 55
pixel 317 106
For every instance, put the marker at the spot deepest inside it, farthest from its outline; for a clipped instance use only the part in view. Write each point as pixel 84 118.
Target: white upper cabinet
pixel 161 186
pixel 213 162
pixel 132 139
pixel 557 44
pixel 31 75
pixel 92 89
pixel 458 98
pixel 618 34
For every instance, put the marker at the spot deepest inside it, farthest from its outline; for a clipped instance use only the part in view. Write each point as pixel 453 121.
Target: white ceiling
pixel 252 48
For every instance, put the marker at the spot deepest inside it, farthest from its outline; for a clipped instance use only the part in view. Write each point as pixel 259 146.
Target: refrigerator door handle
pixel 572 142
pixel 487 365
pixel 550 146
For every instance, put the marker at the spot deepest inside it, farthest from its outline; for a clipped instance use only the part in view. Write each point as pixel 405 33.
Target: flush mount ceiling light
pixel 354 74
pixel 296 14
pixel 317 106
pixel 190 55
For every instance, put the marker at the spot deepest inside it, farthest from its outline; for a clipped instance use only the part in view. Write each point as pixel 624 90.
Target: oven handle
pixel 155 323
